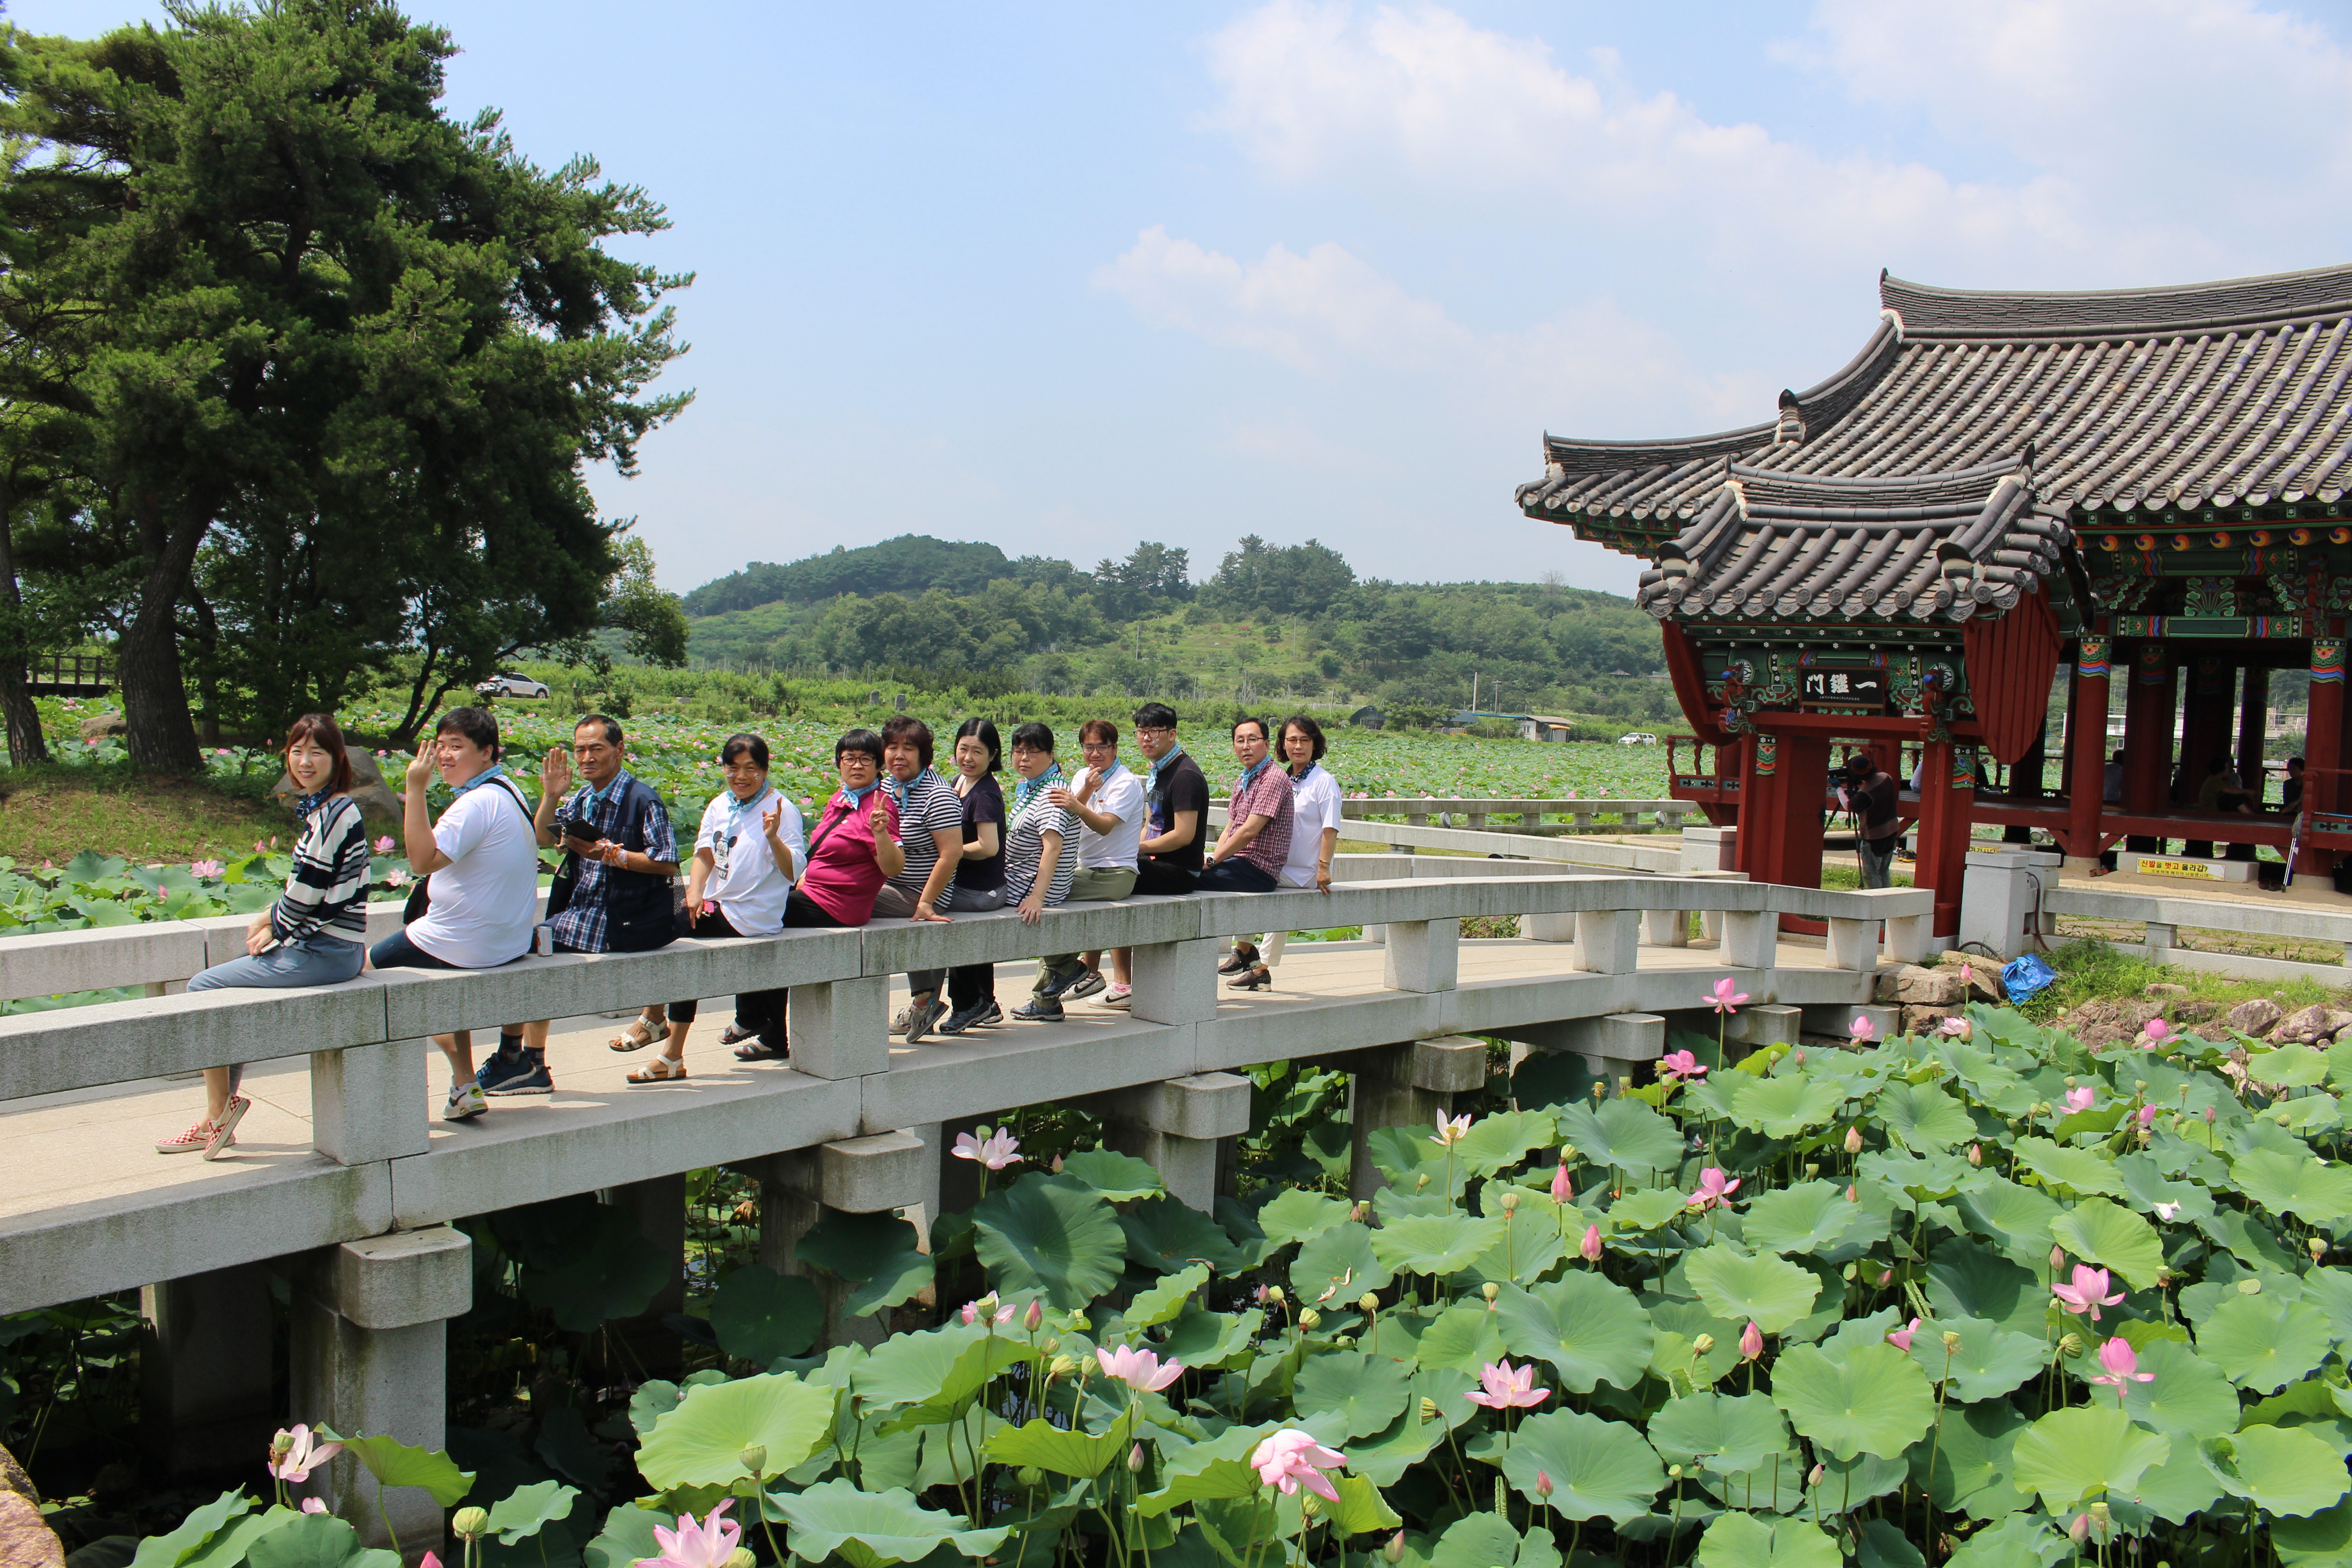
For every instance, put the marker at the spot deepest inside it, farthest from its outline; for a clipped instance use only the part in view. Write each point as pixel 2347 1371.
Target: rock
pixel 1917 1020
pixel 376 802
pixel 2162 988
pixel 2257 1017
pixel 1925 987
pixel 2337 1020
pixel 25 1539
pixel 13 1478
pixel 104 726
pixel 2301 1026
pixel 2194 1012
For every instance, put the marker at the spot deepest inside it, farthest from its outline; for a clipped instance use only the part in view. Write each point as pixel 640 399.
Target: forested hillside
pixel 1271 620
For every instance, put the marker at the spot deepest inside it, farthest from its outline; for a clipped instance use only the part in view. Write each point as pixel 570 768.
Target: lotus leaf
pixel 699 1443
pixel 1772 1292
pixel 1209 1341
pixel 1913 1179
pixel 1341 1257
pixel 1063 1241
pixel 874 1529
pixel 1118 1177
pixel 2178 1490
pixel 2059 1166
pixel 1434 1244
pixel 2324 1537
pixel 1362 1393
pixel 1384 1457
pixel 1883 1546
pixel 1598 1468
pixel 761 1316
pixel 1743 1541
pixel 1873 1399
pixel 1360 1507
pixel 2263 1341
pixel 1501 1140
pixel 1847 1484
pixel 2015 1218
pixel 1533 1239
pixel 1590 1330
pixel 1623 1134
pixel 1645 1210
pixel 1296 1214
pixel 2285 1469
pixel 1060 1449
pixel 1923 1118
pixel 1163 1302
pixel 2085 1452
pixel 1787 1106
pixel 2113 1237
pixel 2146 1180
pixel 1975 1456
pixel 2289 1067
pixel 1990 1359
pixel 397 1464
pixel 1478 1540
pixel 2021 1540
pixel 1810 1216
pixel 1405 1154
pixel 627 1536
pixel 2248 1239
pixel 2294 1184
pixel 1165 1234
pixel 1725 1433
pixel 1464 1337
pixel 316 1541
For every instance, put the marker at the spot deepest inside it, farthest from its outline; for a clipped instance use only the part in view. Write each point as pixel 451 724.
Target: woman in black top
pixel 980 875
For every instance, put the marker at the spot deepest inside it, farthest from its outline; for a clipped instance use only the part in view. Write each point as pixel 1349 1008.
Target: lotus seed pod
pixel 1061 1366
pixel 1310 1505
pixel 1510 1202
pixel 1028 1475
pixel 1490 1290
pixel 741 1558
pixel 1369 1302
pixel 1428 1408
pixel 1394 1551
pixel 1674 1472
pixel 1854 1140
pixel 2070 1346
pixel 1422 1182
pixel 1952 1342
pixel 2249 1286
pixel 754 1457
pixel 1135 1460
pixel 1600 1090
pixel 1309 1317
pixel 1851 1273
pixel 1812 1169
pixel 470 1523
pixel 1702 1345
pixel 2319 1249
pixel 1273 1294
pixel 1050 1346
pixel 2099 1514
pixel 2140 1085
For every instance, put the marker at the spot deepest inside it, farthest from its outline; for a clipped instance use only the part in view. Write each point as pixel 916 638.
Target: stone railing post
pixel 840 1028
pixel 2162 940
pixel 1423 955
pixel 368 1102
pixel 873 1174
pixel 1179 1128
pixel 1611 1046
pixel 1608 942
pixel 1666 928
pixel 1176 981
pixel 1409 1085
pixel 370 1335
pixel 1750 938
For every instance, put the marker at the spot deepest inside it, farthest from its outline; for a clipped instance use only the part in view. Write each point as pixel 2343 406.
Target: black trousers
pixel 762 1012
pixel 1159 875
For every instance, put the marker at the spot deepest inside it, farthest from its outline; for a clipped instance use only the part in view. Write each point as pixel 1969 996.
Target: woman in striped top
pixel 315 935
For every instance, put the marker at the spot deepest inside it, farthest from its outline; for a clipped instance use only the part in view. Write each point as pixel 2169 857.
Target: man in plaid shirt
pixel 1256 840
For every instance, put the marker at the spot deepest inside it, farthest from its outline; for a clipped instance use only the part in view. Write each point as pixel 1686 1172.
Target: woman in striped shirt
pixel 315 935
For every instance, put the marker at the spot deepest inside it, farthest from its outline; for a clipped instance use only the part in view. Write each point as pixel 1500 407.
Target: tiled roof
pixel 2216 395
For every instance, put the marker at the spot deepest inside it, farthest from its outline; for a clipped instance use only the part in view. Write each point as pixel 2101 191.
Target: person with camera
pixel 479 898
pixel 617 890
pixel 1869 792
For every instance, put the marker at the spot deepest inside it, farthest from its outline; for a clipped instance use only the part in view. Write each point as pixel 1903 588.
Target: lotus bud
pixel 1428 1408
pixel 1543 1484
pixel 1309 1317
pixel 1751 1341
pixel 1061 1366
pixel 1590 1248
pixel 2139 1085
pixel 2070 1346
pixel 1394 1551
pixel 470 1523
pixel 1510 1202
pixel 1814 1478
pixel 754 1457
pixel 1951 1342
pixel 1310 1505
pixel 1135 1460
pixel 1029 1475
pixel 1034 1319
pixel 1702 1345
pixel 2080 1530
pixel 1885 1275
pixel 1359 1213
pixel 1976 1153
pixel 1050 1346
pixel 1273 1294
pixel 1600 1090
pixel 1490 1290
pixel 1854 1140
pixel 1798 1055
pixel 1853 1193
pixel 2209 1116
pixel 1367 1302
pixel 741 1558
pixel 2057 1259
pixel 2319 1249
pixel 1421 1182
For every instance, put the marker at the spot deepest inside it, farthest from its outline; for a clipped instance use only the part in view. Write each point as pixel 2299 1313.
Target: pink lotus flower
pixel 1751 1341
pixel 1451 1132
pixel 1725 999
pixel 1139 1370
pixel 2122 1366
pixel 384 845
pixel 2167 1212
pixel 2154 1033
pixel 206 869
pixel 312 1504
pixel 1509 1388
pixel 998 1151
pixel 1713 1189
pixel 2148 1116
pixel 1291 1457
pixel 1561 1187
pixel 706 1545
pixel 293 1454
pixel 986 1307
pixel 1679 1065
pixel 1861 1029
pixel 1957 1027
pixel 1901 1338
pixel 2088 1292
pixel 1590 1248
pixel 2080 1099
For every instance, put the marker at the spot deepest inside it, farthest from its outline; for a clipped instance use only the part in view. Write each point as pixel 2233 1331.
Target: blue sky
pixel 1065 277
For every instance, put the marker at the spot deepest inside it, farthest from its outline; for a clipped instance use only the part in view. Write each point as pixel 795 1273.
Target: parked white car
pixel 1638 738
pixel 507 683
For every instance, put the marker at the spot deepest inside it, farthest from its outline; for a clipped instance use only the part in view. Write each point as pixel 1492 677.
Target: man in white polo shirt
pixel 1109 801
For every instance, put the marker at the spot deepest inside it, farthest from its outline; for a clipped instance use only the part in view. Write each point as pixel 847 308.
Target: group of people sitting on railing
pixel 898 840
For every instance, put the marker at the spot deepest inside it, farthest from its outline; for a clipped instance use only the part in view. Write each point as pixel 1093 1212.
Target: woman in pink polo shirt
pixel 853 848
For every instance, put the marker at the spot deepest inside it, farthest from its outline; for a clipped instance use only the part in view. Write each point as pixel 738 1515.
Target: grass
pixel 55 811
pixel 2090 971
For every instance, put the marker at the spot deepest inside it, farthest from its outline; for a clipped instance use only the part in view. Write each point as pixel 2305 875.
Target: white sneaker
pixel 465 1103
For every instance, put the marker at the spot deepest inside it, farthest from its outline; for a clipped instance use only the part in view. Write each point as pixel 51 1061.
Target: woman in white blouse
pixel 1314 833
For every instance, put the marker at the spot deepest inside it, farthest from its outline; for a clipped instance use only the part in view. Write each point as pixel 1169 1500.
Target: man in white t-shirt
pixel 483 859
pixel 1109 801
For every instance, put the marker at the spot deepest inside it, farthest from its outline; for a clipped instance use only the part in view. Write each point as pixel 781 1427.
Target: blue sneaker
pixel 1039 1010
pixel 533 1078
pixel 500 1066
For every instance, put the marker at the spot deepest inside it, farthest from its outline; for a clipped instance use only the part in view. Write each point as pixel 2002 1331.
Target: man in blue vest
pixel 614 891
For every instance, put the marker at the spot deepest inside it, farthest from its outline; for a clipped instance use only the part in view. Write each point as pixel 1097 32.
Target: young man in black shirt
pixel 1175 815
pixel 1870 795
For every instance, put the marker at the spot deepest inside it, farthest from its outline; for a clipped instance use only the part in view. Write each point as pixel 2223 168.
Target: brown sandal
pixel 659 1070
pixel 642 1032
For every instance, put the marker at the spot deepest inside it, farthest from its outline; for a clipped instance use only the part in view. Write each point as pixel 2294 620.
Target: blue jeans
pixel 315 960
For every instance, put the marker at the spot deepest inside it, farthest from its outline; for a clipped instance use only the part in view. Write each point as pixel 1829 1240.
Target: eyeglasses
pixel 1099 745
pixel 1155 728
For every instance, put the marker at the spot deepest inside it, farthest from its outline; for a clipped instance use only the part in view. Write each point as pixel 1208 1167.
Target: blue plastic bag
pixel 2022 977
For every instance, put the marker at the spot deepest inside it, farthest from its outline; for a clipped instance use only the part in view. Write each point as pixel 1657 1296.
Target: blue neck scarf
pixel 737 806
pixel 312 802
pixel 1174 751
pixel 1022 791
pixel 856 797
pixel 495 771
pixel 595 798
pixel 1249 776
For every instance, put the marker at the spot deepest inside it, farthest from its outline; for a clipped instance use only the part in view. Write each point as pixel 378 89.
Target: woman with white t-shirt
pixel 751 848
pixel 1314 833
pixel 482 862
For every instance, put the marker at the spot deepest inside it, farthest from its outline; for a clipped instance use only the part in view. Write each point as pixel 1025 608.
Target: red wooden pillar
pixel 1783 781
pixel 2204 723
pixel 2323 748
pixel 1947 800
pixel 2147 738
pixel 2253 725
pixel 2086 756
